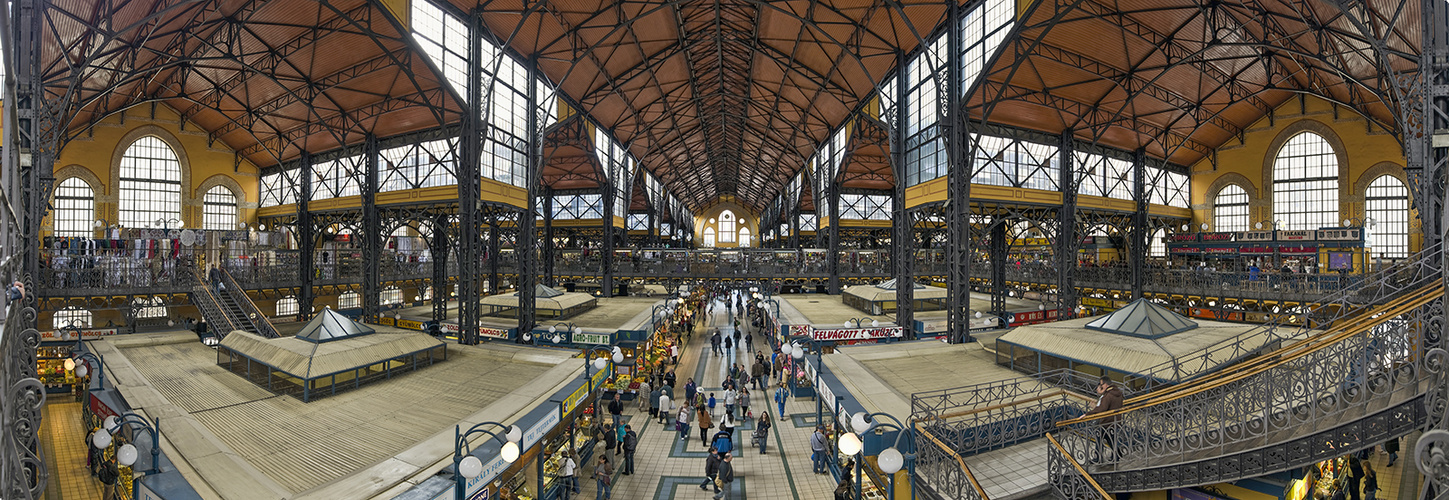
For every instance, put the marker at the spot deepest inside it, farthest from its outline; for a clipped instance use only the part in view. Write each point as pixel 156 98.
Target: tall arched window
pixel 1387 201
pixel 75 208
pixel 71 316
pixel 150 183
pixel 726 227
pixel 1230 209
pixel 708 237
pixel 1156 247
pixel 349 300
pixel 1305 183
pixel 287 306
pixel 220 209
pixel 744 237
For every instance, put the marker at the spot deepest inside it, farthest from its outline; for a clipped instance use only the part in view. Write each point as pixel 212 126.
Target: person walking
pixel 711 470
pixel 566 474
pixel 1392 448
pixel 609 439
pixel 1370 481
pixel 644 388
pixel 1355 476
pixel 714 341
pixel 666 408
pixel 726 477
pixel 690 388
pixel 619 433
pixel 730 399
pixel 749 342
pixel 817 450
pixel 745 403
pixel 1109 398
pixel 681 421
pixel 710 402
pixel 704 425
pixel 616 409
pixel 757 372
pixel 215 276
pixel 762 430
pixel 631 443
pixel 604 477
pixel 780 397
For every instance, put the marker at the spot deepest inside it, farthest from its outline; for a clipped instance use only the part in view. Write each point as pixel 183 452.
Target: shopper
pixel 1355 476
pixel 666 409
pixel 566 473
pixel 619 433
pixel 616 408
pixel 745 403
pixel 1392 448
pixel 604 477
pixel 644 388
pixel 780 397
pixel 1109 398
pixel 1370 481
pixel 711 470
pixel 670 380
pixel 108 474
pixel 817 450
pixel 16 291
pixel 711 402
pixel 610 439
pixel 654 403
pixel 726 477
pixel 762 430
pixel 631 443
pixel 730 399
pixel 681 421
pixel 705 424
pixel 724 440
pixel 215 275
pixel 690 388
pixel 758 373
pixel 727 343
pixel 714 341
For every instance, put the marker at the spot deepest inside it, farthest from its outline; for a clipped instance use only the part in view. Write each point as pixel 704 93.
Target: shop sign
pixel 449 329
pixel 483 493
pixel 141 492
pixel 493 333
pixel 100 409
pixel 1220 251
pixel 1182 237
pixel 591 338
pixel 1298 235
pixel 1030 317
pixel 410 324
pixel 1297 250
pixel 539 429
pixel 93 333
pixel 386 321
pixel 1255 250
pixel 582 392
pixel 840 334
pixel 1217 236
pixel 1096 302
pixel 1184 250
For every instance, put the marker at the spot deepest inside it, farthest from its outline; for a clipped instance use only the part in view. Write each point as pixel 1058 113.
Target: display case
pixel 50 367
pixel 516 488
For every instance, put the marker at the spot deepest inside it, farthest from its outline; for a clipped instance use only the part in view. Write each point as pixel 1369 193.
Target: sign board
pixel 387 321
pixel 591 338
pixel 141 492
pixel 410 324
pixel 1297 235
pixel 798 330
pixel 843 334
pixel 539 429
pixel 92 333
pixel 583 391
pixel 493 333
pixel 100 409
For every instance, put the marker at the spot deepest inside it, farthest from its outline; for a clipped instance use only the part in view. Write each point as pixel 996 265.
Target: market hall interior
pixel 430 249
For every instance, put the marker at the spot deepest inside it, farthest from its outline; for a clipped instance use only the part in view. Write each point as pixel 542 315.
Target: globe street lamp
pixel 465 468
pixel 616 355
pixel 859 322
pixel 797 351
pixel 82 364
pixel 889 460
pixel 126 455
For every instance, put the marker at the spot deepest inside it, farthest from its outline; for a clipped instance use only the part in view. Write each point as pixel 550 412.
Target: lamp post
pixel 82 367
pixel 465 468
pixel 859 323
pixel 165 223
pixel 126 455
pixel 890 460
pixel 797 351
pixel 617 355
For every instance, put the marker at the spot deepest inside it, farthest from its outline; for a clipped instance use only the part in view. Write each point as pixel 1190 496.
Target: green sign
pixel 591 338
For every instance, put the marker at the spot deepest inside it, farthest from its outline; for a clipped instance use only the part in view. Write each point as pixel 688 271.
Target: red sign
pixel 1256 250
pixel 100 409
pixel 493 333
pixel 1217 237
pixel 1182 237
pixel 799 330
pixel 1184 250
pixel 1033 317
pixel 844 334
pixel 1221 250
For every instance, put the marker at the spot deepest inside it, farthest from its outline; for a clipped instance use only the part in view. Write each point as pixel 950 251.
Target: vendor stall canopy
pixel 730 99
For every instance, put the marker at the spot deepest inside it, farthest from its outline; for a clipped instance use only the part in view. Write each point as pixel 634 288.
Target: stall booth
pixel 1322 480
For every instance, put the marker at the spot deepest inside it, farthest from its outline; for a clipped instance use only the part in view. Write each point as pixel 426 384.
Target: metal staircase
pixel 229 309
pixel 245 312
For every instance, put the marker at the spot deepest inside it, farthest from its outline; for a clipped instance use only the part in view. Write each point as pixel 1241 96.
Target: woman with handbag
pixel 604 476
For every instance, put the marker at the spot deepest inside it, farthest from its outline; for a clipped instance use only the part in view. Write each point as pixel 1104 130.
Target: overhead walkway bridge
pixel 1280 402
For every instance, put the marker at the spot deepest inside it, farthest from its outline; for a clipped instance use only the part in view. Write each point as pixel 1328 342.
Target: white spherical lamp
pixel 875 323
pixel 111 424
pixel 578 331
pixel 890 461
pixel 785 349
pixel 600 363
pixel 618 357
pixel 515 435
pixel 69 364
pixel 978 314
pixel 510 451
pixel 798 352
pixel 126 455
pixel 553 329
pixel 847 324
pixel 858 423
pixel 850 443
pixel 101 439
pixel 81 371
pixel 470 467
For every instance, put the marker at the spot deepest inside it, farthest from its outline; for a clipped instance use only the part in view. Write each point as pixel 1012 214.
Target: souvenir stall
pixel 1322 480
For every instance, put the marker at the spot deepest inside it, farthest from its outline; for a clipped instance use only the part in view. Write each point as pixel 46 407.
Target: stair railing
pixel 263 324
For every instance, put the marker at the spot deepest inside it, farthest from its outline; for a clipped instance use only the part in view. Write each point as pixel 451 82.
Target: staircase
pixel 231 307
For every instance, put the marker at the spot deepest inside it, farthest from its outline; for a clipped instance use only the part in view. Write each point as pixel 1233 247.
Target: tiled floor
pixel 63 439
pixel 666 467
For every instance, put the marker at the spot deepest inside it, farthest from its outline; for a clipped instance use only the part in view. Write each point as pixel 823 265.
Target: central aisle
pixel 667 467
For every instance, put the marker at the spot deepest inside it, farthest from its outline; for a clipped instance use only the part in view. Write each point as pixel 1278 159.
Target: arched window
pixel 150 308
pixel 349 300
pixel 390 296
pixel 1387 201
pixel 220 209
pixel 75 209
pixel 71 316
pixel 287 306
pixel 150 183
pixel 726 227
pixel 708 237
pixel 1305 183
pixel 1156 247
pixel 744 237
pixel 1230 209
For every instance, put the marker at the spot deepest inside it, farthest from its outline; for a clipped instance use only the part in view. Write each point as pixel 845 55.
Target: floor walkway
pixel 667 467
pixel 64 442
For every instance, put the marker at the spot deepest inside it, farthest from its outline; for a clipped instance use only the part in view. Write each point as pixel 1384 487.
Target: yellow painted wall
pixel 1365 152
pixel 96 156
pixel 744 218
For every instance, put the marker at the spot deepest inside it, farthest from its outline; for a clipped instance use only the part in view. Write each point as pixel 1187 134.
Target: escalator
pixel 229 309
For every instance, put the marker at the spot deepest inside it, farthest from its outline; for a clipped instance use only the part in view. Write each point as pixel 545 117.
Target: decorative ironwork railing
pixel 23 474
pixel 254 315
pixel 1069 481
pixel 936 459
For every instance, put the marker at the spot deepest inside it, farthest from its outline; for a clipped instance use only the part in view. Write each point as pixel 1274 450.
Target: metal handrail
pixel 1056 452
pixel 201 287
pixel 267 329
pixel 971 478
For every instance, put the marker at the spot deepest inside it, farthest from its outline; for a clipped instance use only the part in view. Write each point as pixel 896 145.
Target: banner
pixel 840 334
pixel 493 333
pixel 410 324
pixel 799 330
pixel 591 338
pixel 93 333
pixel 387 321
